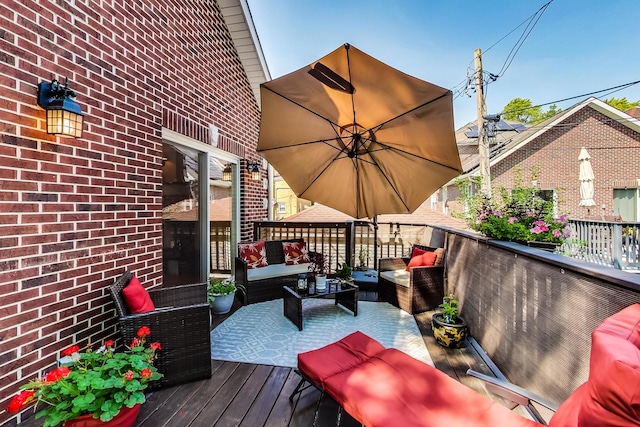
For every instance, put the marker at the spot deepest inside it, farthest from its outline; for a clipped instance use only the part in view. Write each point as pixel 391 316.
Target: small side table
pixel 366 280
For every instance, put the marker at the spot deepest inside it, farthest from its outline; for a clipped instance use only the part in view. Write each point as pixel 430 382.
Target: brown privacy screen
pixel 533 318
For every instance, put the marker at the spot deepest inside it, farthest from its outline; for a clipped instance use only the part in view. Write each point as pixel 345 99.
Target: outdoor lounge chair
pixel 180 322
pixel 385 387
pixel 417 290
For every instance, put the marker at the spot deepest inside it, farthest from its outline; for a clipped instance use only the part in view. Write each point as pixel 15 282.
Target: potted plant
pixel 363 257
pixel 449 329
pixel 318 269
pixel 344 272
pixel 221 293
pixel 100 388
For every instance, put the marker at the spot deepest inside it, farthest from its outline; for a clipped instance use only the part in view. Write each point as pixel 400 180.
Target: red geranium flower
pixel 135 342
pixel 146 373
pixel 108 343
pixel 143 332
pixel 128 376
pixel 70 350
pixel 57 373
pixel 155 346
pixel 20 400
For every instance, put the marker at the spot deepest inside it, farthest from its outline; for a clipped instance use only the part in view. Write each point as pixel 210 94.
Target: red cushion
pixel 136 297
pixel 253 254
pixel 295 253
pixel 417 251
pixel 614 373
pixel 337 357
pixel 424 260
pixel 394 389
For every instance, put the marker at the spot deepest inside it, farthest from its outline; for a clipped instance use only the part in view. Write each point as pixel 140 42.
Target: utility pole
pixel 483 142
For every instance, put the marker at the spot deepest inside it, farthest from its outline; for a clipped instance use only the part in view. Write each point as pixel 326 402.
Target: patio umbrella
pixel 355 134
pixel 586 179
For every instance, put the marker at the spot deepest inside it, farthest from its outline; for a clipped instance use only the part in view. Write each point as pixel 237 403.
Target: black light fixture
pixel 226 173
pixel 64 116
pixel 254 169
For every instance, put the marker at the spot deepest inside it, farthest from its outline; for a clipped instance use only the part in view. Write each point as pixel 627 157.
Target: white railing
pixel 606 243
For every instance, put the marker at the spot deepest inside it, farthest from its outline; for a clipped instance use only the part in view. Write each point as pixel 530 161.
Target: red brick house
pixel 611 137
pixel 169 90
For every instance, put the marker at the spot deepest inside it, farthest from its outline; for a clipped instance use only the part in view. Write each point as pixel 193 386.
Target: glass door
pixel 197 207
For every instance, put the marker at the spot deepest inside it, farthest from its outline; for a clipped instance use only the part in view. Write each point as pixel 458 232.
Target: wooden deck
pixel 241 394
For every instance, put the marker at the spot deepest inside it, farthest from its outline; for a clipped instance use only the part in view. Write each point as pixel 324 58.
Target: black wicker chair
pixel 426 285
pixel 181 324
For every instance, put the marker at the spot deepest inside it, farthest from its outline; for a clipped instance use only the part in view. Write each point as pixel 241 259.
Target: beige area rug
pixel 259 333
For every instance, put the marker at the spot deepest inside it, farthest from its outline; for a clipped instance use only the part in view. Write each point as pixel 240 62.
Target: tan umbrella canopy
pixel 586 179
pixel 352 133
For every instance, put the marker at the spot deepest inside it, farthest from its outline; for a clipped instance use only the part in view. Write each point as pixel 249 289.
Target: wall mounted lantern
pixel 64 116
pixel 254 170
pixel 226 173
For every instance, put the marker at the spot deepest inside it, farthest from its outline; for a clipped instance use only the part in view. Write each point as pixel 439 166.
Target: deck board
pixel 241 394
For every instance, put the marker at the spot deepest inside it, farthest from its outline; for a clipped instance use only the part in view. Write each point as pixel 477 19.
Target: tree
pixel 523 111
pixel 621 103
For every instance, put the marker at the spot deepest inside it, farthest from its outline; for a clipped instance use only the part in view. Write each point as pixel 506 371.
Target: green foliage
pixel 449 308
pixel 518 215
pixel 363 256
pixel 621 103
pixel 99 383
pixel 344 271
pixel 220 287
pixel 523 111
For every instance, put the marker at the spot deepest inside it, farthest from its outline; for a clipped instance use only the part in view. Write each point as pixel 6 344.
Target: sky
pixel 575 48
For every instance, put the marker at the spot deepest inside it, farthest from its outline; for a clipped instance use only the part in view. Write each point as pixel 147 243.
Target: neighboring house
pixel 286 203
pixel 170 93
pixel 611 137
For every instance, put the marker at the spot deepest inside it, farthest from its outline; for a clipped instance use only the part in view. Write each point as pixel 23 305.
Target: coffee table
pixel 345 294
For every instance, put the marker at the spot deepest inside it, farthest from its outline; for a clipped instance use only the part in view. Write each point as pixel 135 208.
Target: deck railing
pixel 614 244
pixel 348 241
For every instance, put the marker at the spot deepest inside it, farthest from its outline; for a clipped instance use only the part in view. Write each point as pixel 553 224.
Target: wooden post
pixel 483 143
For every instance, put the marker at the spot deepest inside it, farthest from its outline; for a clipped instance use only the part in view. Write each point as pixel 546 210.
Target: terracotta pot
pixel 125 418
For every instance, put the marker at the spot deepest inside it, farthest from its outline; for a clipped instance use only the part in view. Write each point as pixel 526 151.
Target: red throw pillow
pixel 295 253
pixel 417 251
pixel 136 297
pixel 254 254
pixel 426 259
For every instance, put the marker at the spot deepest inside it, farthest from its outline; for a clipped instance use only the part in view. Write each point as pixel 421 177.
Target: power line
pixel 523 37
pixel 619 87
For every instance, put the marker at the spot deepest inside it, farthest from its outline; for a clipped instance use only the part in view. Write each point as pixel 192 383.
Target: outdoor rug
pixel 260 334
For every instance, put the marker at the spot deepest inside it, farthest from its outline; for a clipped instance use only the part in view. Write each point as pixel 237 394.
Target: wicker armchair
pixel 181 324
pixel 423 290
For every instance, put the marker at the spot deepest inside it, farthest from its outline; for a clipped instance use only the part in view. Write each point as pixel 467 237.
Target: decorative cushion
pixel 136 297
pixel 426 259
pixel 439 255
pixel 295 253
pixel 417 251
pixel 253 254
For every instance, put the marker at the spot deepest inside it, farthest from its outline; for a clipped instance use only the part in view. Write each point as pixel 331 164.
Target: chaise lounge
pixel 385 387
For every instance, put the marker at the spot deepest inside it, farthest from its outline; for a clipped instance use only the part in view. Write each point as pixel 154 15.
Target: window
pixel 282 208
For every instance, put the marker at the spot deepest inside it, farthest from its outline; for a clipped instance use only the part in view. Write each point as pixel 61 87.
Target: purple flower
pixel 557 233
pixel 536 230
pixel 496 213
pixel 512 219
pixel 530 213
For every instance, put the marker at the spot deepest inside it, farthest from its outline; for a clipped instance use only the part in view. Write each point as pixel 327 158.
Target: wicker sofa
pixel 265 283
pixel 180 322
pixel 414 291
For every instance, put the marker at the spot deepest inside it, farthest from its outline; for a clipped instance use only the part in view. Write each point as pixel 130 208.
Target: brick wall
pixel 613 147
pixel 75 213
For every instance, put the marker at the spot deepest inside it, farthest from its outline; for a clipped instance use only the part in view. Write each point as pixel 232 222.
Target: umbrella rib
pixel 334 125
pixel 447 93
